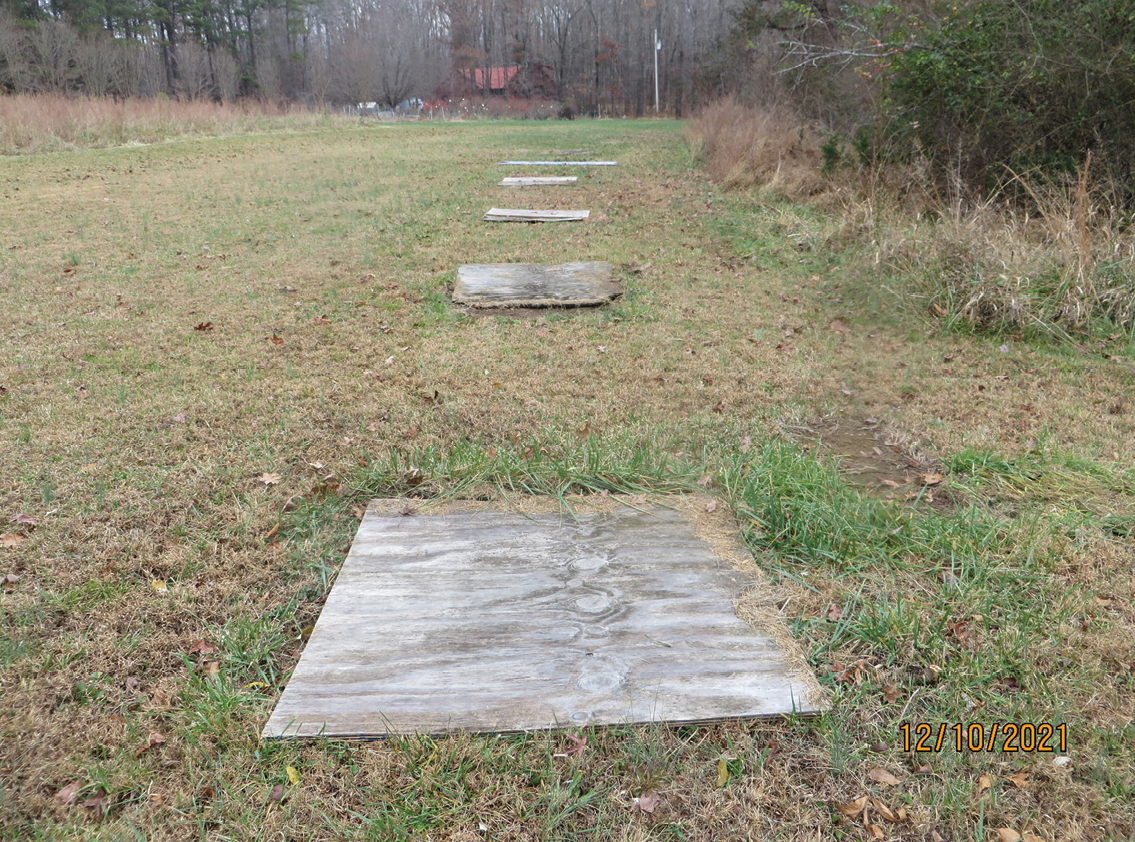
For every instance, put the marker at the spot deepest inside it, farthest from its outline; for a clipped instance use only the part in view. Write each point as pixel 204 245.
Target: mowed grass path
pixel 215 351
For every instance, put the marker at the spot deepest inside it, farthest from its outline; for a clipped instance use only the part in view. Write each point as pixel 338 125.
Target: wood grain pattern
pixel 494 285
pixel 525 215
pixel 494 622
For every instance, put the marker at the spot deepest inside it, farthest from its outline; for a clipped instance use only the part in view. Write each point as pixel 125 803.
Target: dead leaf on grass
pixel 874 831
pixel 26 520
pixel 984 782
pixel 293 775
pixel 204 326
pixel 159 586
pixel 1030 837
pixel 711 506
pixel 8 540
pixel 98 805
pixel 578 744
pixel 11 580
pixel 839 327
pixel 1007 834
pixel 276 340
pixel 1020 780
pixel 930 479
pixel 202 647
pixel 891 692
pixel 211 669
pixel 155 739
pixel 269 479
pixel 882 776
pixel 887 813
pixel 852 809
pixel 66 796
pixel 722 773
pixel 648 801
pixel 276 794
pixel 179 418
pixel 833 612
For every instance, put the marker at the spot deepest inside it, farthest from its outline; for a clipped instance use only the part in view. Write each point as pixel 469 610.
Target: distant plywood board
pixel 493 621
pixel 497 285
pixel 559 163
pixel 538 180
pixel 523 215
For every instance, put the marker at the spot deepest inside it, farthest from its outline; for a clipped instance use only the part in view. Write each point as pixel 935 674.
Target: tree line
pixel 601 53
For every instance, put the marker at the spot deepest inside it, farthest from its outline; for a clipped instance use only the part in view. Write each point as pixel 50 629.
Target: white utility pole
pixel 657 49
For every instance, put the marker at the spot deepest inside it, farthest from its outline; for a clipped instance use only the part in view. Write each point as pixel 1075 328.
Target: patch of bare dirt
pixel 876 457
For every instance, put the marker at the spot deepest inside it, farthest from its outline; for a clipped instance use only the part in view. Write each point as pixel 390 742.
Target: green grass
pixel 1010 601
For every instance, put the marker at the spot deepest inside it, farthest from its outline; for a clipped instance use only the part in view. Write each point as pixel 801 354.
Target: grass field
pixel 215 351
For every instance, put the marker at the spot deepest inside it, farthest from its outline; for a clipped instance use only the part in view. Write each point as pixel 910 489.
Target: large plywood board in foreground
pixel 524 215
pixel 496 285
pixel 537 180
pixel 497 621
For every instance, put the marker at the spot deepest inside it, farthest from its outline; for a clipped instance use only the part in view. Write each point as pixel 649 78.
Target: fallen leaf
pixel 293 775
pixel 719 406
pixel 277 793
pixel 839 327
pixel 11 579
pixel 179 418
pixel 158 586
pixel 155 739
pixel 834 612
pixel 66 796
pixel 202 647
pixel 1062 760
pixel 886 812
pixel 1020 780
pixel 891 692
pixel 882 776
pixel 269 479
pixel 322 320
pixel 11 539
pixel 711 506
pixel 211 669
pixel 852 809
pixel 1007 834
pixel 203 326
pixel 930 479
pixel 935 836
pixel 875 831
pixel 97 805
pixel 722 773
pixel 1031 837
pixel 276 340
pixel 984 782
pixel 577 746
pixel 746 444
pixel 922 769
pixel 26 520
pixel 648 801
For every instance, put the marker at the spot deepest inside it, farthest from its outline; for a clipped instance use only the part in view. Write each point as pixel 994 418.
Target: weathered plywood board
pixel 522 215
pixel 559 163
pixel 493 621
pixel 537 180
pixel 496 285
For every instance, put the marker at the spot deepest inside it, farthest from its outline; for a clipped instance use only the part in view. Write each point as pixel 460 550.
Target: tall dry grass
pixel 31 123
pixel 1051 257
pixel 769 147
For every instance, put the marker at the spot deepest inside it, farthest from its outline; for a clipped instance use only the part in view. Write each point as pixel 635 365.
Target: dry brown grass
pixel 1058 259
pixel 136 441
pixel 51 122
pixel 768 147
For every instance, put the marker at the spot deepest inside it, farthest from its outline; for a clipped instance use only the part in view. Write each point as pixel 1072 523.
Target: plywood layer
pixel 537 180
pixel 497 622
pixel 525 215
pixel 495 285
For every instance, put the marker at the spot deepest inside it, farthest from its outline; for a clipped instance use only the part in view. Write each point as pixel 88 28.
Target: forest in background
pixel 601 52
